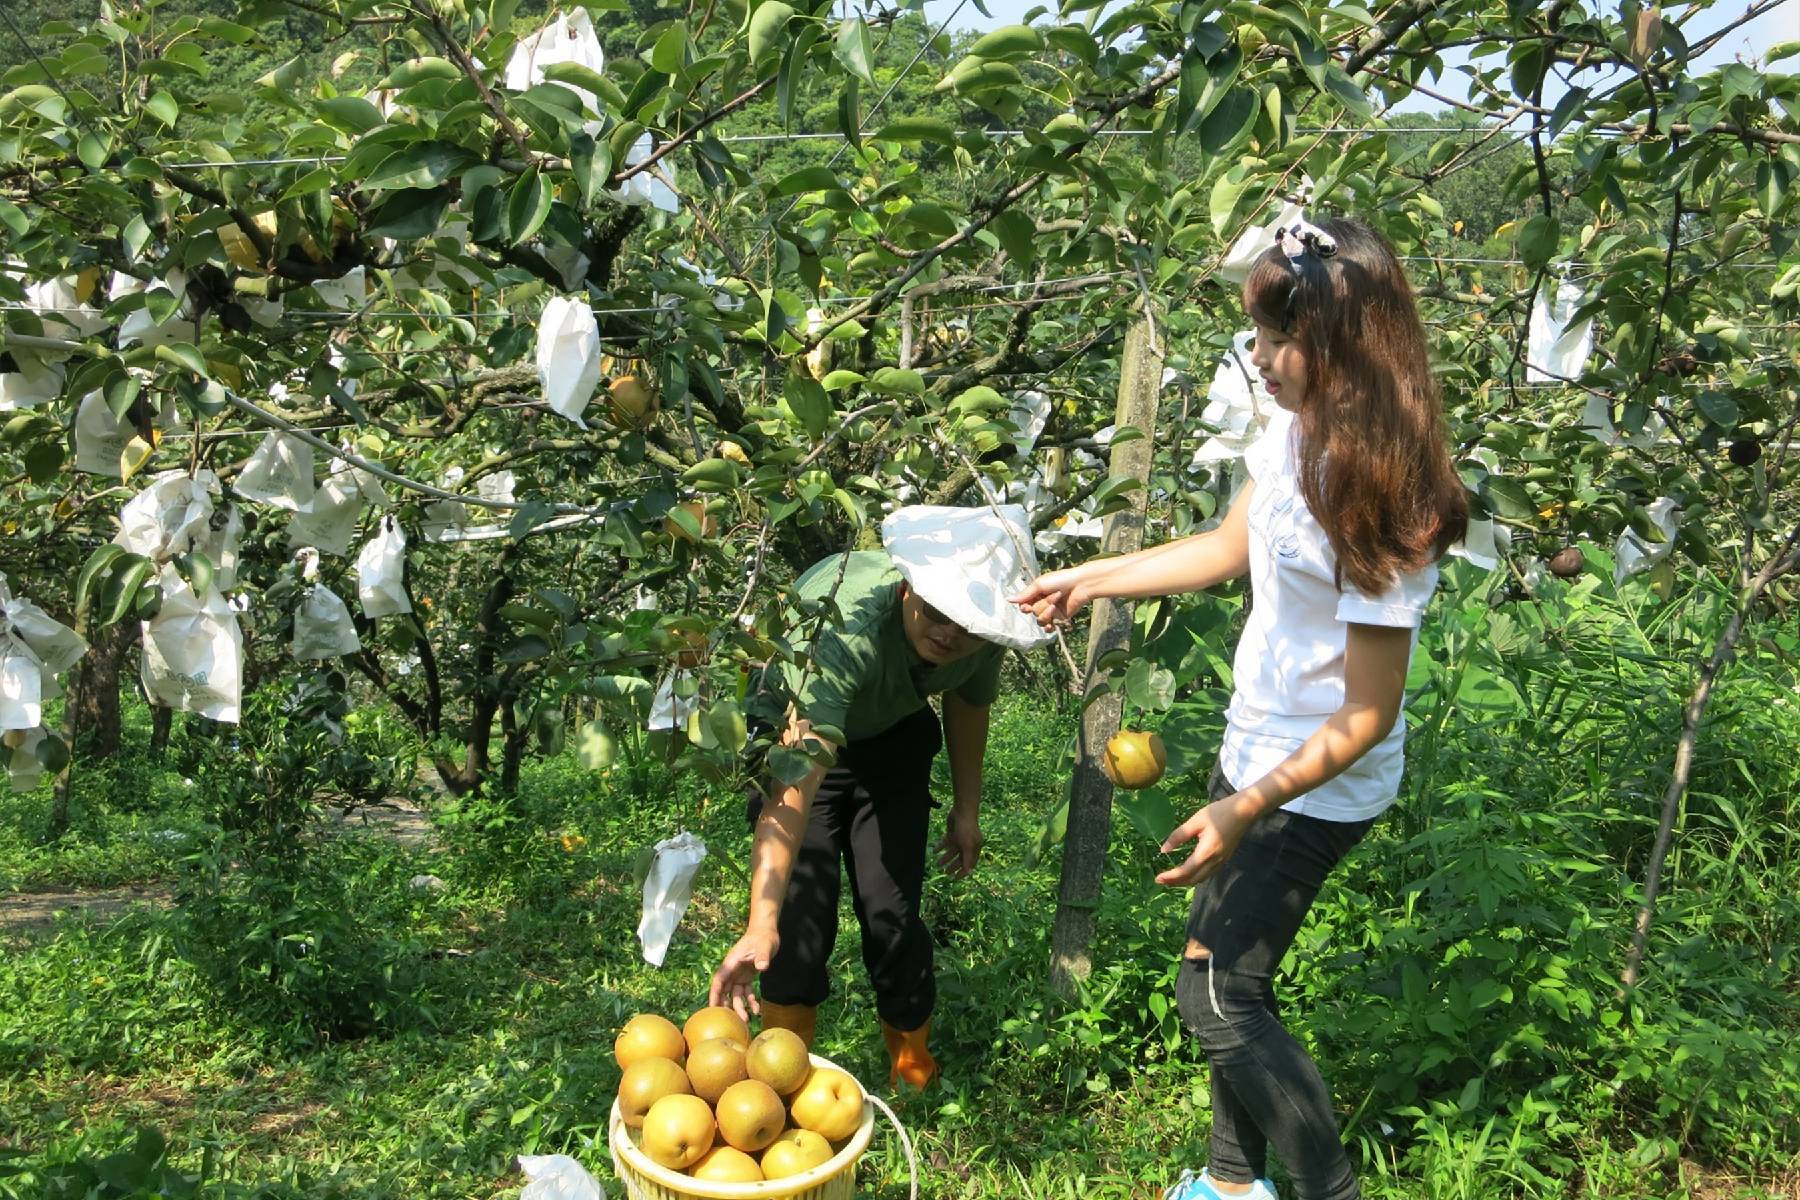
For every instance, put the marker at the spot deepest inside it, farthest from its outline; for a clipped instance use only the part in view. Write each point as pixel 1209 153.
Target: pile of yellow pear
pixel 708 1100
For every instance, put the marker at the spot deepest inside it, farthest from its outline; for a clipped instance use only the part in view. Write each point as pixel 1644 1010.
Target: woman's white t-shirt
pixel 1289 669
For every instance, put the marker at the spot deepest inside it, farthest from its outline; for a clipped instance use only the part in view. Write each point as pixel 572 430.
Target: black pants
pixel 872 813
pixel 1267 1091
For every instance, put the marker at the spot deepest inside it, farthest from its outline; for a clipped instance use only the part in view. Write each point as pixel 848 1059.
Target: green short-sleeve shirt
pixel 864 675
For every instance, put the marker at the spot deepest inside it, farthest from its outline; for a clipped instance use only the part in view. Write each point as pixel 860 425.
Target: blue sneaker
pixel 1200 1187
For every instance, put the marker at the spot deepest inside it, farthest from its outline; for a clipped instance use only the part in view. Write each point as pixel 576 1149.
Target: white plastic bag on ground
pixel 645 187
pixel 1557 349
pixel 568 356
pixel 1633 553
pixel 667 889
pixel 381 573
pixel 35 382
pixel 24 769
pixel 322 625
pixel 280 473
pixel 193 651
pixel 557 1176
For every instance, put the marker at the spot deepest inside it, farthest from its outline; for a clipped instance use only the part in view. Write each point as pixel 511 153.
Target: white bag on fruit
pixel 35 382
pixel 279 473
pixel 23 766
pixel 381 573
pixel 323 627
pixel 193 651
pixel 170 517
pixel 568 38
pixel 568 356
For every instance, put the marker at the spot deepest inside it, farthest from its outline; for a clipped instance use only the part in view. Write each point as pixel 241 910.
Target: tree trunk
pixel 1693 714
pixel 162 723
pixel 92 704
pixel 512 747
pixel 1090 792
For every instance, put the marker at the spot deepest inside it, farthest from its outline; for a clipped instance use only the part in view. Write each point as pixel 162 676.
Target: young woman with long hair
pixel 1352 500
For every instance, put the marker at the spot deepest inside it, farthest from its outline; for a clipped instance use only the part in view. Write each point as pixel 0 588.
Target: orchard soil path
pixel 28 912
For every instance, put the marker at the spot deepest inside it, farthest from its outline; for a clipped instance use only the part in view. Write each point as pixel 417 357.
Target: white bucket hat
pixel 965 562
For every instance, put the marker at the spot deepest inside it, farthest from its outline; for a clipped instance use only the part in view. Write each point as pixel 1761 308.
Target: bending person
pixel 1352 499
pixel 927 615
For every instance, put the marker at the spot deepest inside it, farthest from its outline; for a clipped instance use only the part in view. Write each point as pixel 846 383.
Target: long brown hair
pixel 1374 465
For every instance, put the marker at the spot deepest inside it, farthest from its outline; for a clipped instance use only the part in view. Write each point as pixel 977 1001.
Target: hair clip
pixel 1296 239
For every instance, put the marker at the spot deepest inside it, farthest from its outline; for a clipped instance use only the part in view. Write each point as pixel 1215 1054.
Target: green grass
pixel 1455 980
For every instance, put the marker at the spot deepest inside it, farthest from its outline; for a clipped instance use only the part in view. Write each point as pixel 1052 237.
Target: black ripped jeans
pixel 1267 1091
pixel 872 815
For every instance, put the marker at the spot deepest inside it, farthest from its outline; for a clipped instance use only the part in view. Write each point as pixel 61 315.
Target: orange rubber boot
pixel 910 1056
pixel 803 1019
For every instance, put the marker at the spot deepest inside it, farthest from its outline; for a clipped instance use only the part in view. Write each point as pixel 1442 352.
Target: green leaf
pixel 1508 498
pixel 1344 88
pixel 767 23
pixel 122 585
pixel 896 381
pixel 837 381
pixel 162 106
pixel 809 403
pixel 712 475
pixel 410 214
pixel 43 461
pixel 92 151
pixel 918 129
pixel 1718 408
pixel 808 179
pixel 98 562
pixel 592 164
pixel 419 70
pixel 527 206
pixel 1227 190
pixel 1018 236
pixel 350 114
pixel 14 218
pixel 853 50
pixel 1008 43
pixel 183 355
pixel 575 75
pixel 1230 123
pixel 669 54
pixel 424 165
pixel 1538 238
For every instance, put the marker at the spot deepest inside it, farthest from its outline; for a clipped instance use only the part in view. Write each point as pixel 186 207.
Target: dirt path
pixel 34 911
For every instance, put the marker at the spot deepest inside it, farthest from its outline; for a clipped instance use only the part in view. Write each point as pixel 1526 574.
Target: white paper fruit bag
pixel 381 573
pixel 193 651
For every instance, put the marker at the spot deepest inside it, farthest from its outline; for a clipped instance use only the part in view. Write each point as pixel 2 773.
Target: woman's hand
pixel 1054 599
pixel 734 982
pixel 1215 831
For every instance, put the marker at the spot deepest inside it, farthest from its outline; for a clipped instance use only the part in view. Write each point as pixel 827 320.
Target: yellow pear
pixel 677 1131
pixel 778 1058
pixel 644 1083
pixel 715 1065
pixel 1134 758
pixel 632 402
pixel 648 1036
pixel 830 1103
pixel 724 1164
pixel 795 1151
pixel 714 1021
pixel 751 1115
